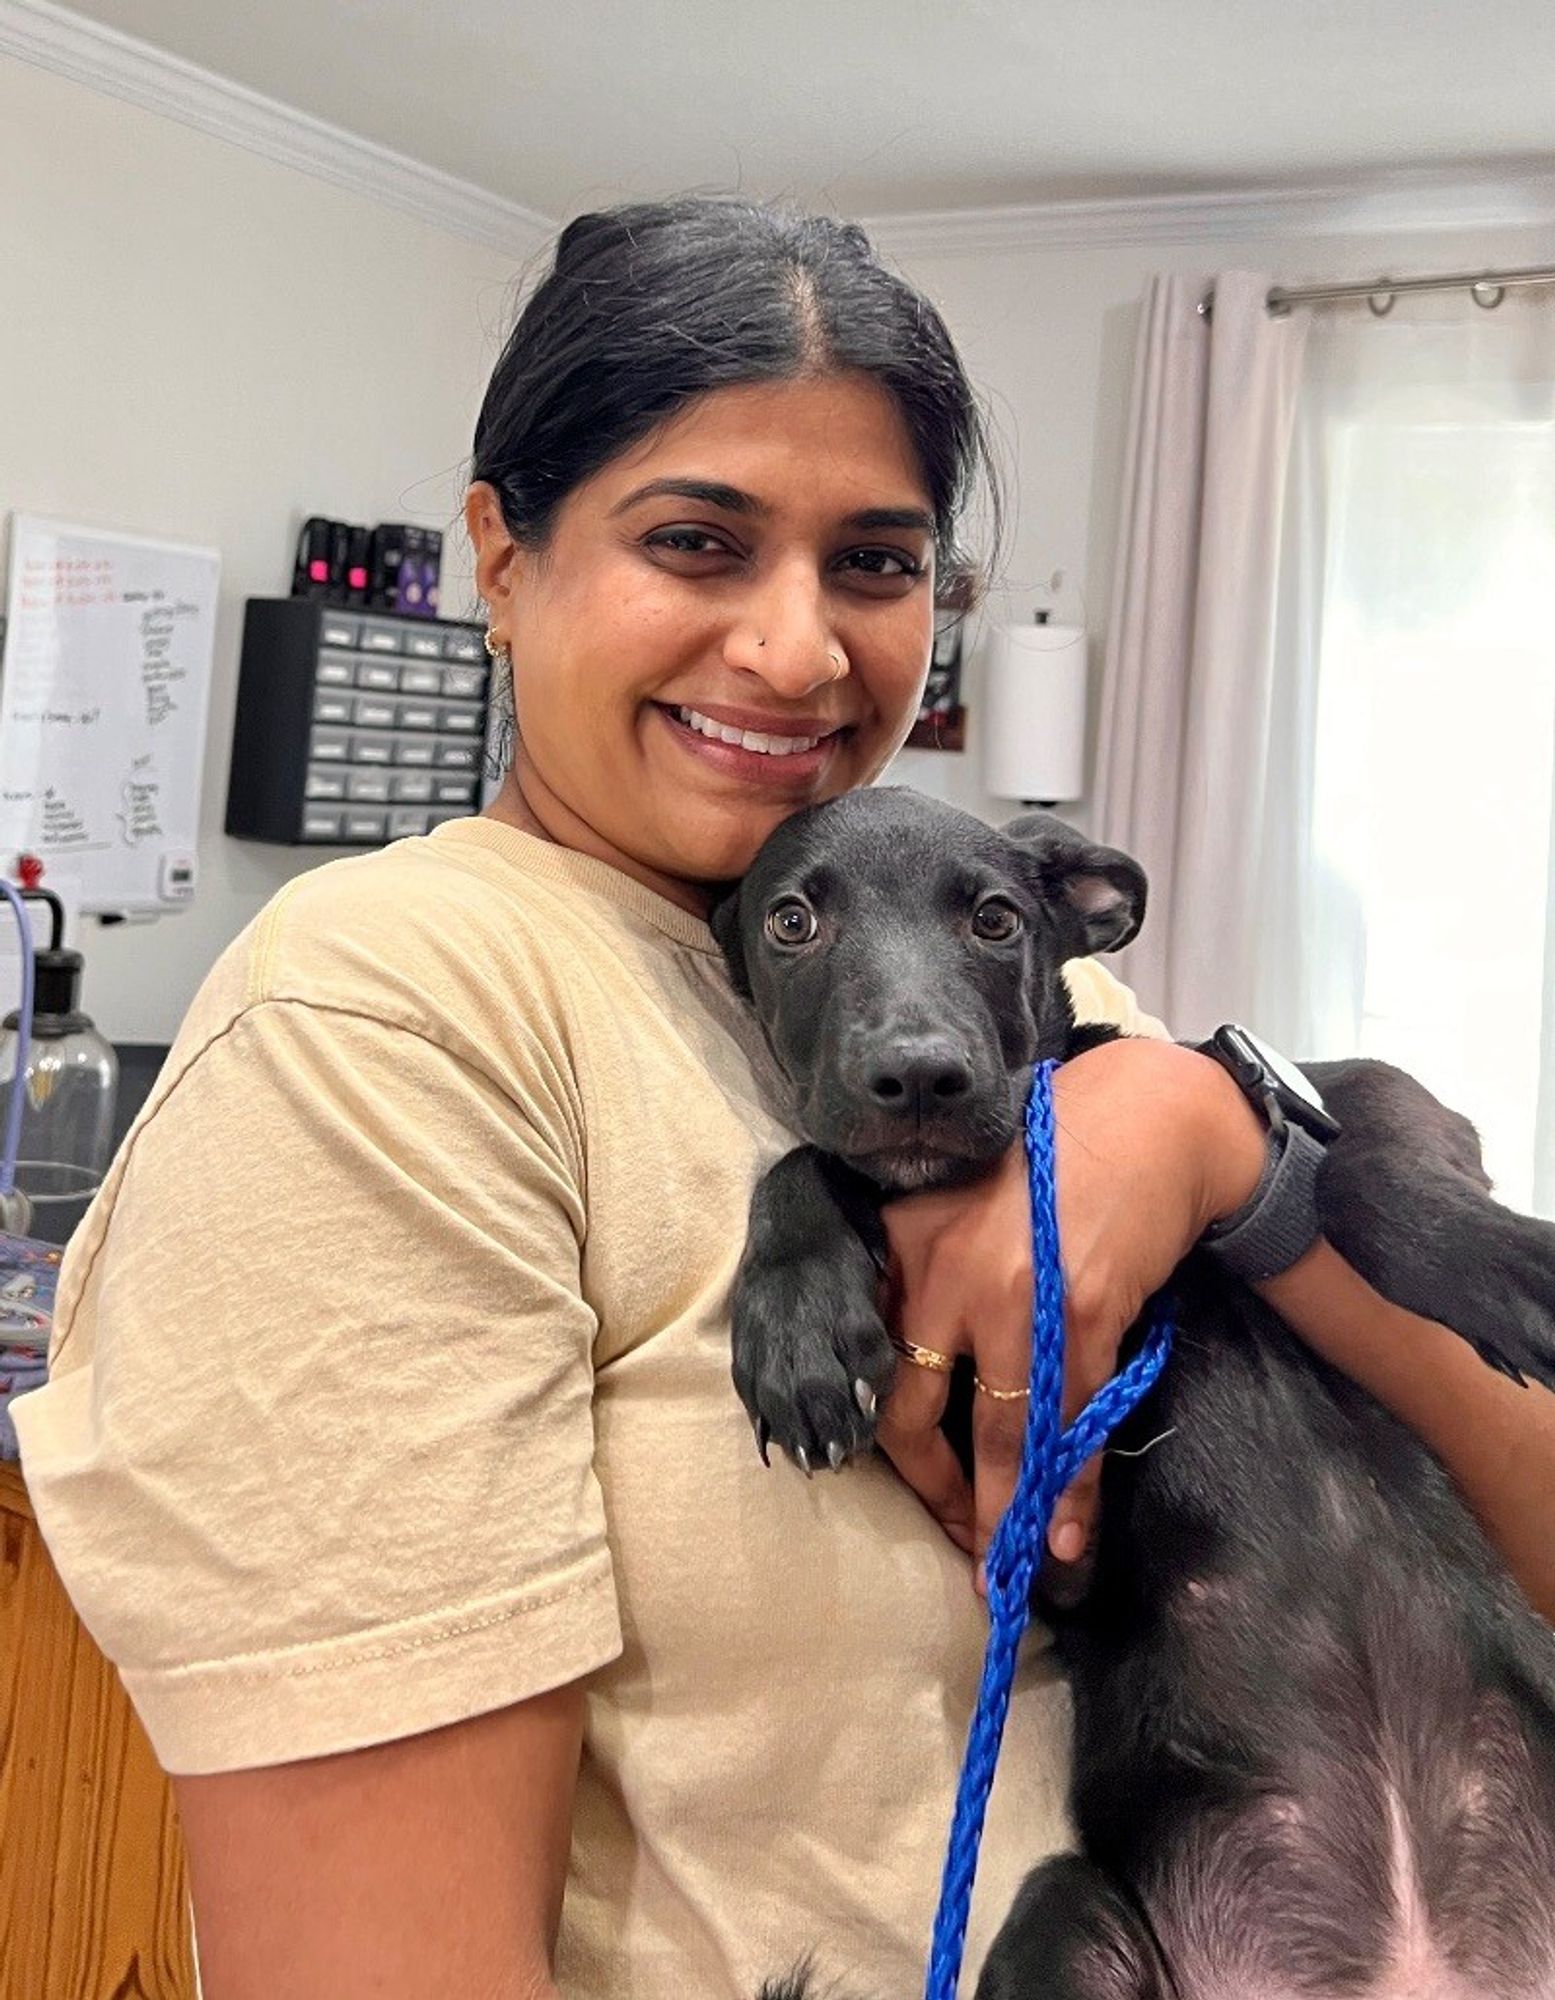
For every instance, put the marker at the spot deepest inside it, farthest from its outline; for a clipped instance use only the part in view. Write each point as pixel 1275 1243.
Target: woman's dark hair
pixel 650 304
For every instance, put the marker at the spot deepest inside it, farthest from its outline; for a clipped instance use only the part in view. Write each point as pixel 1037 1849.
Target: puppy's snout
pixel 918 1078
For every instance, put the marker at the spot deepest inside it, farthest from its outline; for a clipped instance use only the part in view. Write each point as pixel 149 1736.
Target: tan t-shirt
pixel 391 1385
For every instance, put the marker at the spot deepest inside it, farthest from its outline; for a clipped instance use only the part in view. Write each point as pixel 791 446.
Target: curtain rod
pixel 1487 288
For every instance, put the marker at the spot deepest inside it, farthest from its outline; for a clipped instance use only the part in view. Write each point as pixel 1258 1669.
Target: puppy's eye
pixel 791 922
pixel 995 920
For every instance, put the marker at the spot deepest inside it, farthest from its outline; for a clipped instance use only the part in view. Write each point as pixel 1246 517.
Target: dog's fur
pixel 1315 1719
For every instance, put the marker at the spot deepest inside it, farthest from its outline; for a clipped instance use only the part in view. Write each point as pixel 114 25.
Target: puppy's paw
pixel 1442 1248
pixel 1508 1310
pixel 811 1358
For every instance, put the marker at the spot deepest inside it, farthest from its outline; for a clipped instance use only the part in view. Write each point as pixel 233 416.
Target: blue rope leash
pixel 1050 1458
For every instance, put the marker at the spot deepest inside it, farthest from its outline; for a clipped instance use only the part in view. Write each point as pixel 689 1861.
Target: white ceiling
pixel 891 106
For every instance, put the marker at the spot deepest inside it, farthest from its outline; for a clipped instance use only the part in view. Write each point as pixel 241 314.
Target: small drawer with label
pixel 375 674
pixel 463 646
pixel 328 746
pixel 331 707
pixel 408 820
pixel 421 680
pixel 411 787
pixel 337 631
pixel 460 721
pixel 372 749
pixel 328 783
pixel 365 825
pixel 468 683
pixel 454 791
pixel 456 756
pixel 417 715
pixel 320 825
pixel 336 670
pixel 370 713
pixel 369 786
pixel 424 645
pixel 378 638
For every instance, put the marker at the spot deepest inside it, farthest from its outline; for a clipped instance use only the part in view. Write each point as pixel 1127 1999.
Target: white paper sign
pixel 103 700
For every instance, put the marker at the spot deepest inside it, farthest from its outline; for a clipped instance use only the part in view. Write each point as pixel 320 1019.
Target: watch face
pixel 1285 1073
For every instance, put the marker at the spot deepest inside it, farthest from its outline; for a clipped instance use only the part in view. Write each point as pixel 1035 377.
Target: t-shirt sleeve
pixel 1101 999
pixel 316 1461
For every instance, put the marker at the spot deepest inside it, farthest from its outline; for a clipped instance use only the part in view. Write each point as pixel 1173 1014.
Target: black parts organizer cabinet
pixel 354 727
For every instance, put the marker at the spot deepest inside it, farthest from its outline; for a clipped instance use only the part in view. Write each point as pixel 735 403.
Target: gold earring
pixel 495 647
pixel 841 668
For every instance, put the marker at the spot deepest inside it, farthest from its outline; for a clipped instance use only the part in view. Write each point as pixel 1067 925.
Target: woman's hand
pixel 1154 1143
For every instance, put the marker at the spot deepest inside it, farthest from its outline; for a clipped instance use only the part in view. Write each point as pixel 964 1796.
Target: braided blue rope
pixel 1050 1458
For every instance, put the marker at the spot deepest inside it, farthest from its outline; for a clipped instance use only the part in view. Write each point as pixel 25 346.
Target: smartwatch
pixel 1278 1223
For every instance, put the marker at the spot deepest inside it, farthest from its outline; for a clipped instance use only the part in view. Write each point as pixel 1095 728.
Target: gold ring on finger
pixel 999 1395
pixel 924 1357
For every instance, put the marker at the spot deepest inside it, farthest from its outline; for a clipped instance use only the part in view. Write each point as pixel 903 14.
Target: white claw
pixel 837 1455
pixel 804 1459
pixel 865 1396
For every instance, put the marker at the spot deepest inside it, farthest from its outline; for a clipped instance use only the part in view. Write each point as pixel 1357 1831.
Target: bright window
pixel 1434 768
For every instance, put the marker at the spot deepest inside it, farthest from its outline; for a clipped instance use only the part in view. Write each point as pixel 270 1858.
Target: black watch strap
pixel 1278 1224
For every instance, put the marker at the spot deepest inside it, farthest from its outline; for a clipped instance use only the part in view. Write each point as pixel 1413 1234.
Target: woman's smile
pixel 753 746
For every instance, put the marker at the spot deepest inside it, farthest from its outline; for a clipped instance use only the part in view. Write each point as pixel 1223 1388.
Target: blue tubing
pixel 13 1108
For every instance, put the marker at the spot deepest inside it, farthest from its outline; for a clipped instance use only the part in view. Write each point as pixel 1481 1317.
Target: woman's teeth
pixel 747 739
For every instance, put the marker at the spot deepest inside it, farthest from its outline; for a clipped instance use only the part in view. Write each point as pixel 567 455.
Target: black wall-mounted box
pixel 354 727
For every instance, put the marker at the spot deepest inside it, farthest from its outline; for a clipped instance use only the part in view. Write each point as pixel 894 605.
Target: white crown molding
pixel 1387 205
pixel 55 39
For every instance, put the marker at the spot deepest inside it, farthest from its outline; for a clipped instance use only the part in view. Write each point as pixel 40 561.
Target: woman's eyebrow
pixel 711 492
pixel 731 500
pixel 891 517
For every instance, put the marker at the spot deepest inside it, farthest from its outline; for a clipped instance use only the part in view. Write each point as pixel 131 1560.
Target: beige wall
pixel 199 343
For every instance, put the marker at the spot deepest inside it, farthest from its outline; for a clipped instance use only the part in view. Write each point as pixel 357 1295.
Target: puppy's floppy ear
pixel 1104 889
pixel 724 919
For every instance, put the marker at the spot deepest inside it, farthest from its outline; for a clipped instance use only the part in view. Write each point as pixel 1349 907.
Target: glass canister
pixel 68 1099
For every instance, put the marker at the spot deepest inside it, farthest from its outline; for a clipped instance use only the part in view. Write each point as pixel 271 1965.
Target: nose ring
pixel 835 659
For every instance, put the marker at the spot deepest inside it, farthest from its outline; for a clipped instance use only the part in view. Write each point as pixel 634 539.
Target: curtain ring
pixel 1382 301
pixel 1484 293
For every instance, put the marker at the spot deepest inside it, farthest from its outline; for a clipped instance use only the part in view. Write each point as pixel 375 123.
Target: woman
pixel 390 1449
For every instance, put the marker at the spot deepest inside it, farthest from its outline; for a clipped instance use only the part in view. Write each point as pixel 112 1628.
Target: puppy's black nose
pixel 919 1078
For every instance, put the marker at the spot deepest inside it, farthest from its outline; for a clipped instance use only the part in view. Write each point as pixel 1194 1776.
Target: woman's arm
pixel 429 1868
pixel 1155 1142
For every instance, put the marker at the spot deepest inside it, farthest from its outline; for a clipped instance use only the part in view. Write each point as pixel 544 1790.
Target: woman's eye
pixel 791 922
pixel 885 563
pixel 995 920
pixel 688 542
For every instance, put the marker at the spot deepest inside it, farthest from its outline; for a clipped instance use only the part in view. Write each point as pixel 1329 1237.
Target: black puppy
pixel 1315 1720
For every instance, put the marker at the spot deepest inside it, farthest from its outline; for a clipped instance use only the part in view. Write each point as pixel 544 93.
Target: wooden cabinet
pixel 93 1904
